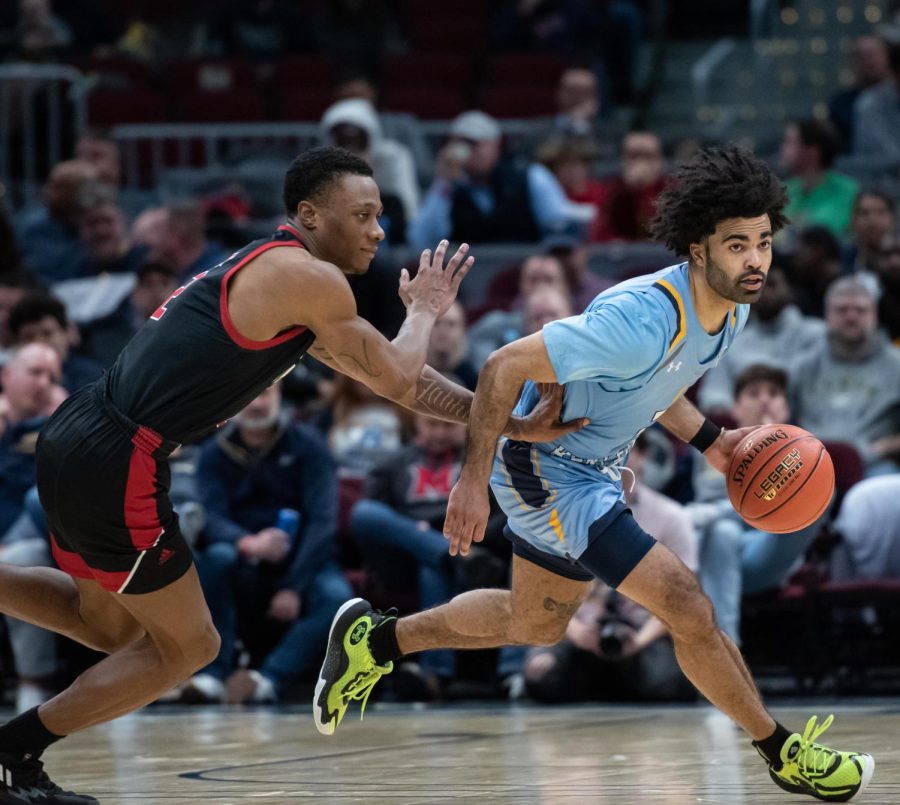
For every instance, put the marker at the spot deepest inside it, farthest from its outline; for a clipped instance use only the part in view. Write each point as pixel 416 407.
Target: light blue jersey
pixel 635 350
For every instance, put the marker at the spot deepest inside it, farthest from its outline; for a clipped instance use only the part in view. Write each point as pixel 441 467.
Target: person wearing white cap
pixel 477 196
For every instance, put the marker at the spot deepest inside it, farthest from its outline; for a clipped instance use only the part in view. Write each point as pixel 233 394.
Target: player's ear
pixel 307 214
pixel 697 254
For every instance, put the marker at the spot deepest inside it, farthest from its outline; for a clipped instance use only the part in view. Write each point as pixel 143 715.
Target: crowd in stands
pixel 319 489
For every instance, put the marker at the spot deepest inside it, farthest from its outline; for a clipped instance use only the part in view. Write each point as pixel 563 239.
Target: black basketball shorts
pixel 103 482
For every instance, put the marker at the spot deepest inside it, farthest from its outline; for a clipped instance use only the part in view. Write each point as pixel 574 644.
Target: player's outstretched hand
pixel 722 449
pixel 434 287
pixel 543 423
pixel 467 516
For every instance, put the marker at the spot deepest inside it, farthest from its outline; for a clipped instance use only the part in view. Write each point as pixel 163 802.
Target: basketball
pixel 781 479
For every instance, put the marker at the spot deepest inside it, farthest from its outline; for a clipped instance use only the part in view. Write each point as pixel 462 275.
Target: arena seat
pixel 530 69
pixel 303 103
pixel 448 71
pixel 310 71
pixel 434 104
pixel 110 107
pixel 218 107
pixel 518 100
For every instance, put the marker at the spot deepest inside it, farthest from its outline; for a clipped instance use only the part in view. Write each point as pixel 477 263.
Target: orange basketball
pixel 781 479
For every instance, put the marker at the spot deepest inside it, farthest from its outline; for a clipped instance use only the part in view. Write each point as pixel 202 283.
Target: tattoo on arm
pixel 563 609
pixel 439 397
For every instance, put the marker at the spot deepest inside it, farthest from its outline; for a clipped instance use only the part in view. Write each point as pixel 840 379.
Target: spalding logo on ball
pixel 781 479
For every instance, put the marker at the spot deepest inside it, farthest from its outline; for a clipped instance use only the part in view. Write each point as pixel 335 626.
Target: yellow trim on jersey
pixel 536 468
pixel 682 319
pixel 556 525
pixel 733 316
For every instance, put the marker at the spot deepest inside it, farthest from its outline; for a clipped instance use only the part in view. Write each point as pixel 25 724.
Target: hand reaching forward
pixel 434 287
pixel 543 423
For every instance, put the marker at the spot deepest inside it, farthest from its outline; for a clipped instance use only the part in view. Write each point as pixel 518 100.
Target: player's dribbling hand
pixel 434 287
pixel 467 516
pixel 722 449
pixel 543 423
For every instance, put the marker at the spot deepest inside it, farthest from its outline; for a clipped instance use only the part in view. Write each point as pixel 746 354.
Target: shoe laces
pixel 813 757
pixel 359 689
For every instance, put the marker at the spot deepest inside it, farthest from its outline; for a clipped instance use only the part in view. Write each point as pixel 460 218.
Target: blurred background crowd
pixel 143 141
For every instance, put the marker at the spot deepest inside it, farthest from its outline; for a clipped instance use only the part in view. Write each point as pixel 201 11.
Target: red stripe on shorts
pixel 141 515
pixel 74 565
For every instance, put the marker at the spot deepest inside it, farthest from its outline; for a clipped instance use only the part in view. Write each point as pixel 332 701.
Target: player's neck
pixel 710 307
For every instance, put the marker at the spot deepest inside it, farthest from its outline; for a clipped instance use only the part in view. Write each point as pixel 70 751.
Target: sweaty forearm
pixel 682 419
pixel 436 396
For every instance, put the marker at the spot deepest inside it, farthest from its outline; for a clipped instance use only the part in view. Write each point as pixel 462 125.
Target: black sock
pixel 383 642
pixel 771 746
pixel 26 735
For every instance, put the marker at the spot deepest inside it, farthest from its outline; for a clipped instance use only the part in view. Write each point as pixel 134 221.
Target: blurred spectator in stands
pixel 42 318
pixel 42 35
pixel 578 102
pixel 48 232
pixel 363 32
pixel 12 288
pixel 260 579
pixel 150 228
pixel 154 283
pixel 101 149
pixel 574 256
pixel 776 334
pixel 814 265
pixel 736 560
pixel 877 116
pixel 628 201
pixel 104 233
pixel 614 649
pixel 448 349
pixel 848 388
pixel 30 394
pixel 887 270
pixel 570 159
pixel 353 124
pixel 499 327
pixel 261 29
pixel 873 218
pixel 560 25
pixel 816 193
pixel 479 197
pixel 869 526
pixel 871 66
pixel 94 28
pixel 183 240
pixel 361 426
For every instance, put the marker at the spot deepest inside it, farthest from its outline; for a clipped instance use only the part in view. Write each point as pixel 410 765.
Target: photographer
pixel 615 650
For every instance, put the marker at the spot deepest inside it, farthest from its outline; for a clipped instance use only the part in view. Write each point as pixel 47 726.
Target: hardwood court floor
pixel 497 754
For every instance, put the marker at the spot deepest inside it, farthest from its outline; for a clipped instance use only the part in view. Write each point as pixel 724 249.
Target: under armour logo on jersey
pixel 674 366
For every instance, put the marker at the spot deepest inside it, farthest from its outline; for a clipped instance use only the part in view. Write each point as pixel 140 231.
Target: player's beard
pixel 729 288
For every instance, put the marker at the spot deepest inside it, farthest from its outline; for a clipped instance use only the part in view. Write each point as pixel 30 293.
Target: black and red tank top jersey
pixel 188 369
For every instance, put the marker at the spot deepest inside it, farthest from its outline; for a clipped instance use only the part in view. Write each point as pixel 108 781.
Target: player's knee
pixel 208 644
pixel 693 618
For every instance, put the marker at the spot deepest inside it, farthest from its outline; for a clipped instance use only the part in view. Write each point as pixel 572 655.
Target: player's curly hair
pixel 311 173
pixel 718 183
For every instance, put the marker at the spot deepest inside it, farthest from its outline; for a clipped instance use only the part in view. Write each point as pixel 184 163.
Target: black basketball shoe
pixel 23 780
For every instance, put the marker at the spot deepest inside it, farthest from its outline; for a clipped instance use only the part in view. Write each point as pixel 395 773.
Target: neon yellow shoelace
pixel 813 758
pixel 361 687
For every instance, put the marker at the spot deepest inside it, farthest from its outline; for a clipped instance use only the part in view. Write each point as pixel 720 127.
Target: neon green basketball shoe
pixel 819 771
pixel 349 672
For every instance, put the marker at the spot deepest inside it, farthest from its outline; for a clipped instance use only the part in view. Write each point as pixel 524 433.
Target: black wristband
pixel 704 438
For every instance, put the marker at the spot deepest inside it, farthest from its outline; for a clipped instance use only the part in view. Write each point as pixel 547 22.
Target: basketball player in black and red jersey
pixel 127 585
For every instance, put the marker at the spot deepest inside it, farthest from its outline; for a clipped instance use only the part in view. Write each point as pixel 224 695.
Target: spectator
pixel 816 193
pixel 183 243
pixel 479 197
pixel 48 233
pixel 13 286
pixel 564 26
pixel 873 218
pixel 254 571
pixel 570 160
pixel 583 283
pixel 149 228
pixel 260 29
pixel 42 35
pixel 814 265
pixel 776 334
pixel 42 318
pixel 105 338
pixel 871 66
pixel 499 327
pixel 30 394
pixel 627 202
pixel 848 388
pixel 353 124
pixel 448 349
pixel 104 235
pixel 737 560
pixel 401 522
pixel 869 527
pixel 578 102
pixel 887 270
pixel 877 116
pixel 615 649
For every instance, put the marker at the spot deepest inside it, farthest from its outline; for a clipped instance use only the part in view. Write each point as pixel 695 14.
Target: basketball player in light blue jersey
pixel 625 363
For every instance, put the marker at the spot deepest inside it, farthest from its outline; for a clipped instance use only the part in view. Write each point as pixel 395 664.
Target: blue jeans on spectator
pixel 736 560
pixel 223 575
pixel 378 527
